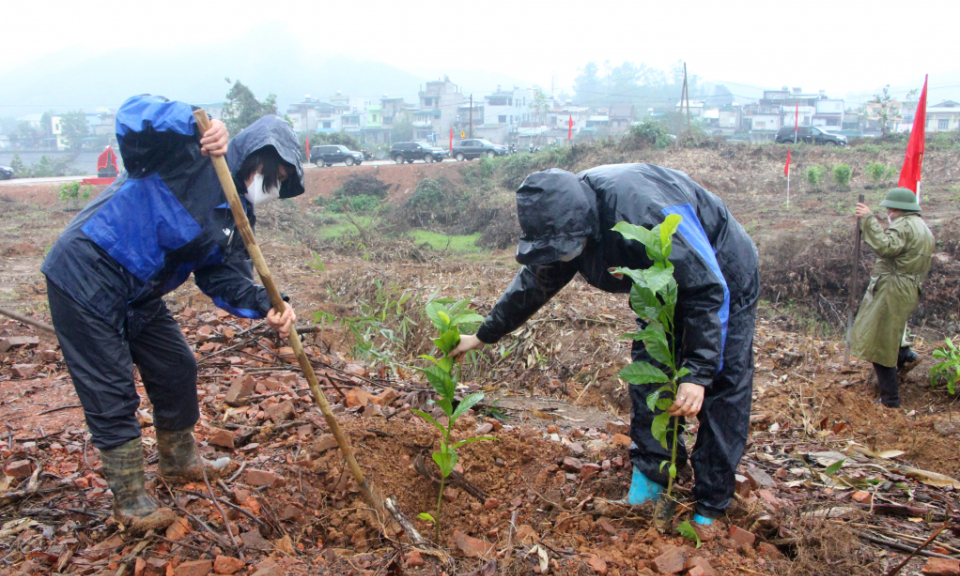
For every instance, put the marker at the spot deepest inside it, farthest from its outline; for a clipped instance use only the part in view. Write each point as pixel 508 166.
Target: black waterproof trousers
pixel 100 359
pixel 724 417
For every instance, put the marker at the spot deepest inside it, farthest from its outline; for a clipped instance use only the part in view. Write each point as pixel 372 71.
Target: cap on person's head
pixel 556 216
pixel 901 199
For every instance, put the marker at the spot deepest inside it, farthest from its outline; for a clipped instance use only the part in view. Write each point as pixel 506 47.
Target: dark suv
pixel 334 154
pixel 810 135
pixel 409 151
pixel 475 148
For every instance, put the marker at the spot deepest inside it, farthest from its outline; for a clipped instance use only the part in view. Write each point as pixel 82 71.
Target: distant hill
pixel 72 79
pixel 75 79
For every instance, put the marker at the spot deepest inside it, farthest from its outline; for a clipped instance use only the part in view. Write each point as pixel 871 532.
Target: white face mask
pixel 573 254
pixel 257 195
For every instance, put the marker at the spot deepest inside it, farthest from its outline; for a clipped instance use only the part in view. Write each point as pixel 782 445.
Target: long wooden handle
pixel 243 225
pixel 852 304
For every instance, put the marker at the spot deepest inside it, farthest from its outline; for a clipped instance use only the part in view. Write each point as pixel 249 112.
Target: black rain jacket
pixel 166 217
pixel 715 260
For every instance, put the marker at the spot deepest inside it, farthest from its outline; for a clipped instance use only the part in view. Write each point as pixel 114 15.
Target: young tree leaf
pixel 664 403
pixel 834 468
pixel 659 428
pixel 652 399
pixel 673 470
pixel 448 340
pixel 682 372
pixel 638 373
pixel 440 380
pixel 433 310
pixel 446 461
pixel 636 233
pixel 446 405
pixel 466 404
pixel 644 302
pixel 469 440
pixel 427 517
pixel 669 227
pixel 429 419
pixel 686 530
pixel 663 463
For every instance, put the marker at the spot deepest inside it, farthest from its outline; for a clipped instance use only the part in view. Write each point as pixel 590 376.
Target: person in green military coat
pixel 904 251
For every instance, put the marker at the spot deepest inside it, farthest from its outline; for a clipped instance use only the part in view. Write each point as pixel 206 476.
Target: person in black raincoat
pixel 166 217
pixel 566 222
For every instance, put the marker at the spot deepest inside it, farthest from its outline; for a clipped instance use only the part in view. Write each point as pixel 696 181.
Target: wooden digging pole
pixel 243 225
pixel 852 304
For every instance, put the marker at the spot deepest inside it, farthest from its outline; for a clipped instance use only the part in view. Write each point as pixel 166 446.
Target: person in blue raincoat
pixel 166 217
pixel 566 222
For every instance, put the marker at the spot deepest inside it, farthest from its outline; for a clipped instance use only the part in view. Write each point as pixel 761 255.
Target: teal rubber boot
pixel 642 489
pixel 702 520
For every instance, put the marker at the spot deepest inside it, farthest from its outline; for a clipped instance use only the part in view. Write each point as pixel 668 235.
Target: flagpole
pixel 786 171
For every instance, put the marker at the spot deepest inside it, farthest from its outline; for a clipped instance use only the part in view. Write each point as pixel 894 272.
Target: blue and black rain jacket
pixel 715 261
pixel 166 217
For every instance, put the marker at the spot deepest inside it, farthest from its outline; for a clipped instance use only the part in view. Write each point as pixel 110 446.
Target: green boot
pixel 179 462
pixel 132 507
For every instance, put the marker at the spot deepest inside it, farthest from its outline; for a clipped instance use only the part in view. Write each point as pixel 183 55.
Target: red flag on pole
pixel 451 138
pixel 912 164
pixel 786 169
pixel 308 148
pixel 570 128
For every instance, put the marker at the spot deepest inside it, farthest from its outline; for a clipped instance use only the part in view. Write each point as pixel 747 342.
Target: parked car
pixel 810 135
pixel 409 151
pixel 6 172
pixel 334 154
pixel 475 148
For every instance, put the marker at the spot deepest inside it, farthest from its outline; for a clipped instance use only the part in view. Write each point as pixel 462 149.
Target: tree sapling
pixel 443 377
pixel 654 298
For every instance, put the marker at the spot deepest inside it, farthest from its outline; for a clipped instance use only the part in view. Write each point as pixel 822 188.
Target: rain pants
pixel 717 273
pixel 141 238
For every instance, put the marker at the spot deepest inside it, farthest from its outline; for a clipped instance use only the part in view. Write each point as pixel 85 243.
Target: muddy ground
pixel 553 384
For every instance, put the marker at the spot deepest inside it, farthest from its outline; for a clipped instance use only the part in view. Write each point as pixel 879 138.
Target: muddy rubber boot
pixel 907 360
pixel 179 462
pixel 889 385
pixel 132 507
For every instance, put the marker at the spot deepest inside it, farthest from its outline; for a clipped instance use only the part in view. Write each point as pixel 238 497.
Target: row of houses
pixel 505 115
pixel 760 120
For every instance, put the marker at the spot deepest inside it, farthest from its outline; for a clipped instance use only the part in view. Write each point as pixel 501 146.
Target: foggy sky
pixel 841 46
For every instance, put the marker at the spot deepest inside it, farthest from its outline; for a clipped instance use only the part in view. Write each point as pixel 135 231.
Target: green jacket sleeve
pixel 886 243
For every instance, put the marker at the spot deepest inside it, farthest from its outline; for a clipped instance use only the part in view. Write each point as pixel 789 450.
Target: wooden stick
pixel 919 548
pixel 852 305
pixel 30 321
pixel 243 225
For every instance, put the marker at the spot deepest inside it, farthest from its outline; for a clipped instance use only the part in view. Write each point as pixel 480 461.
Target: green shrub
pixel 359 203
pixel 841 175
pixel 876 171
pixel 948 369
pixel 814 175
pixel 649 134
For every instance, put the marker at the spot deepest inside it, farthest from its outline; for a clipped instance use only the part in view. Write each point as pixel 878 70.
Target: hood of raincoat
pixel 269 131
pixel 557 212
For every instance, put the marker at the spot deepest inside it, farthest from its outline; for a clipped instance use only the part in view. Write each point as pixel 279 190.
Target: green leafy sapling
pixel 443 377
pixel 949 366
pixel 653 297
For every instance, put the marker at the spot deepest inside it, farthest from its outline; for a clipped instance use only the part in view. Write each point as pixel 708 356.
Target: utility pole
pixel 471 115
pixel 683 98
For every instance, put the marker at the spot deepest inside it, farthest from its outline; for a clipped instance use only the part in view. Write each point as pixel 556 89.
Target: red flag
pixel 912 164
pixel 786 169
pixel 570 129
pixel 451 138
pixel 308 148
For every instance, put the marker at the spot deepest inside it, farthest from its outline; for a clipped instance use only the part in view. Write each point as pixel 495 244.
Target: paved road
pixel 28 181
